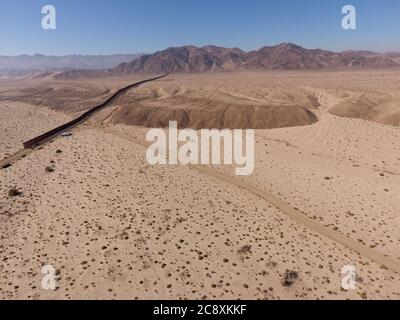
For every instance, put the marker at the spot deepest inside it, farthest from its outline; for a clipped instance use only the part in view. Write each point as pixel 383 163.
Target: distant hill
pixel 288 56
pixel 24 64
pixel 186 59
pixel 379 107
pixel 285 56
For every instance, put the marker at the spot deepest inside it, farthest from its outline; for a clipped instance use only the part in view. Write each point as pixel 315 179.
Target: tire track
pixel 303 219
pixel 284 207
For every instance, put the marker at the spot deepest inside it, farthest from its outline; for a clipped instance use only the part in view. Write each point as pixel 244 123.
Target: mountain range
pixel 285 56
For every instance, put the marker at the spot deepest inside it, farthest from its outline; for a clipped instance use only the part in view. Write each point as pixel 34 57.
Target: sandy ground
pixel 21 121
pixel 115 227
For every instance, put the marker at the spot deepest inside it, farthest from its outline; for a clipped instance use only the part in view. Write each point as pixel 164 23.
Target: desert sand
pixel 116 228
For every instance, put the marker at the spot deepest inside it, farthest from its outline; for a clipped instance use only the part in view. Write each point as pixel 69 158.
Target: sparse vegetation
pixel 245 249
pixel 14 192
pixel 49 169
pixel 289 278
pixel 205 236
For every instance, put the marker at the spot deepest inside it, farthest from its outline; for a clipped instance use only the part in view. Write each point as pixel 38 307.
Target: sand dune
pixel 201 108
pixel 372 106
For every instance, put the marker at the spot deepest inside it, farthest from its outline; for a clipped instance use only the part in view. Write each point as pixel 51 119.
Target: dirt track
pixel 294 214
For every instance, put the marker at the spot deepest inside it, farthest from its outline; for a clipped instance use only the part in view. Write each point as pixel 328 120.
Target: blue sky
pixel 131 26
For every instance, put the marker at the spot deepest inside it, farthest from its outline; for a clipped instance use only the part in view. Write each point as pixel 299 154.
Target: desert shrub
pixel 49 169
pixel 289 278
pixel 14 192
pixel 245 249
